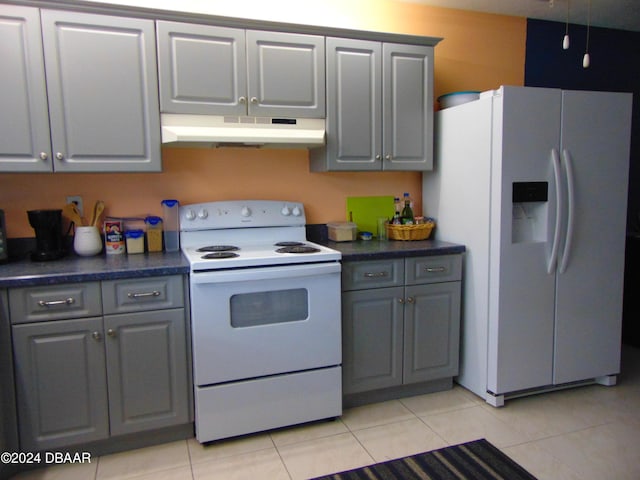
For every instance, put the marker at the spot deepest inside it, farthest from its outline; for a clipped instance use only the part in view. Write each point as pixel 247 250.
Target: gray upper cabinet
pixel 25 143
pixel 202 69
pixel 103 93
pixel 286 74
pixel 98 109
pixel 379 107
pixel 226 71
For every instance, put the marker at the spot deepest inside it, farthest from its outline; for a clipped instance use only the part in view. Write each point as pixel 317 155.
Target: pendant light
pixel 565 40
pixel 586 60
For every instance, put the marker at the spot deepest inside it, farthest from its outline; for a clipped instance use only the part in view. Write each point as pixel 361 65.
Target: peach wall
pixel 479 52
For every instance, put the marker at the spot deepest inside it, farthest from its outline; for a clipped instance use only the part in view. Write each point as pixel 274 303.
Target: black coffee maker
pixel 48 227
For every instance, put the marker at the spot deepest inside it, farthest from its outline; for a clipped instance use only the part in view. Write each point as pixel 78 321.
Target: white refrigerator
pixel 534 182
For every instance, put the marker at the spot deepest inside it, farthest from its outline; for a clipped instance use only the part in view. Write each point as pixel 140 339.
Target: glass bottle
pixel 397 220
pixel 407 211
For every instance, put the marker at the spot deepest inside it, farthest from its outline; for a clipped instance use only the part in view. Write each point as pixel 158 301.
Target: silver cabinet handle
pixel 436 269
pixel 53 303
pixel 43 155
pixel 378 157
pixel 388 157
pixel 155 293
pixel 375 274
pixel 97 336
pixel 112 333
pixel 254 100
pixel 401 300
pixel 59 156
pixel 242 100
pixel 410 299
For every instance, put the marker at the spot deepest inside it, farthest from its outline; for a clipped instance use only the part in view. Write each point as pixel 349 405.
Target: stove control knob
pixel 190 215
pixel 296 211
pixel 286 211
pixel 203 214
pixel 245 212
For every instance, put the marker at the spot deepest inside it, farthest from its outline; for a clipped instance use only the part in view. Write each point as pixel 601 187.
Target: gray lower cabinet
pixel 120 367
pixel 213 70
pixel 401 321
pixel 379 107
pixel 64 111
pixel 61 383
pixel 146 370
pixel 8 423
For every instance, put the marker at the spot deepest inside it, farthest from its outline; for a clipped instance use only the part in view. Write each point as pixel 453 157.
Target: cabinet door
pixel 60 382
pixel 8 417
pixel 147 370
pixel 372 339
pixel 25 145
pixel 408 107
pixel 103 94
pixel 431 331
pixel 354 106
pixel 202 69
pixel 286 74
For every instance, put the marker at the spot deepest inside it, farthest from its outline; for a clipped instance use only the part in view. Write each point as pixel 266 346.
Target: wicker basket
pixel 409 232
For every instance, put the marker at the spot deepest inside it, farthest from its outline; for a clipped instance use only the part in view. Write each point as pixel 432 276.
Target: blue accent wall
pixel 615 66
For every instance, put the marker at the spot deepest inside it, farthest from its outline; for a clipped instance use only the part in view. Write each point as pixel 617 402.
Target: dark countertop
pixel 376 249
pixel 73 268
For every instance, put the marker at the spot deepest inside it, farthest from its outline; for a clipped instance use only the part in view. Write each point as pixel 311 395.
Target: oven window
pixel 264 308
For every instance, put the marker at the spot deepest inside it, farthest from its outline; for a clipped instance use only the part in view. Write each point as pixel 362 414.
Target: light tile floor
pixel 584 433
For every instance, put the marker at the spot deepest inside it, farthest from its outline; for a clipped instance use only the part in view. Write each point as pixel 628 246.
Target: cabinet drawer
pixel 55 302
pixel 372 274
pixel 445 268
pixel 139 294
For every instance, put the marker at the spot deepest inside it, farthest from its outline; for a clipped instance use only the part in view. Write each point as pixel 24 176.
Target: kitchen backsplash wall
pixel 479 52
pixel 194 175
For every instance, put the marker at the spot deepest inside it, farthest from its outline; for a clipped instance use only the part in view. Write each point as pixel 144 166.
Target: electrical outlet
pixel 77 199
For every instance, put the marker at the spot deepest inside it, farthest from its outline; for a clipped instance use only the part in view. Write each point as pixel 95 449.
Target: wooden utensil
pixel 70 210
pixel 98 208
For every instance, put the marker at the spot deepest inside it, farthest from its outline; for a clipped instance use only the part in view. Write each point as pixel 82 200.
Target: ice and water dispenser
pixel 530 210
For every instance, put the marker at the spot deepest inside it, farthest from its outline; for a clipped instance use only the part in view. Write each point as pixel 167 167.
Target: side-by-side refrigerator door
pixel 523 226
pixel 595 157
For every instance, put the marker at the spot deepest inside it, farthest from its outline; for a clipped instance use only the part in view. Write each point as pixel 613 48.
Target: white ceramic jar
pixel 87 241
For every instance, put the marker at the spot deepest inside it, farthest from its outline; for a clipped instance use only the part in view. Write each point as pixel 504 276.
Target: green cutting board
pixel 364 211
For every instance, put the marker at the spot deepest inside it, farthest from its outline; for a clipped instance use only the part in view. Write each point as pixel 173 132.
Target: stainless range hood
pixel 229 130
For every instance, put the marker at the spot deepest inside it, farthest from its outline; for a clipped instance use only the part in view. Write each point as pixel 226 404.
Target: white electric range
pixel 265 317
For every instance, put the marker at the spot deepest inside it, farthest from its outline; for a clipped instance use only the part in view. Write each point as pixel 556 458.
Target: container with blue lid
pixel 154 233
pixel 135 241
pixel 171 225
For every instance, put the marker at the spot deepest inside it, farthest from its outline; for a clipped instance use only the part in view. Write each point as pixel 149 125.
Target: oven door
pixel 254 322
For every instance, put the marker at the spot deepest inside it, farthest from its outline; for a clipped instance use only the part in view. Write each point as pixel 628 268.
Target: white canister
pixel 87 241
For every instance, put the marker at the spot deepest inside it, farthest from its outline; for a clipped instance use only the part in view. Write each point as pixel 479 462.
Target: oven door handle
pixel 264 273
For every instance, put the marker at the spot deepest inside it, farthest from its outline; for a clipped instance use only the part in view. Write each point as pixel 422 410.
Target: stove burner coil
pixel 218 248
pixel 298 249
pixel 219 255
pixel 288 244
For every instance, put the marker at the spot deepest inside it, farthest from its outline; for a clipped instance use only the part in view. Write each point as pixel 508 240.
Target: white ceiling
pixel 620 14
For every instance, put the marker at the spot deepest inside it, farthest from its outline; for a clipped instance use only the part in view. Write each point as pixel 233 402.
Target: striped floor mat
pixel 477 460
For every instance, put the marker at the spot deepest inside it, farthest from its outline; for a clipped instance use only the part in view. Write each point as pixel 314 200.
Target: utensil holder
pixel 87 241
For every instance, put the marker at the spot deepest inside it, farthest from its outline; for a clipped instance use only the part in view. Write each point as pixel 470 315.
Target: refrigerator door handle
pixel 568 165
pixel 551 263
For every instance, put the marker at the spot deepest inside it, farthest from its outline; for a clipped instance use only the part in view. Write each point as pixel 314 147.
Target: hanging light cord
pixel 586 60
pixel 565 40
